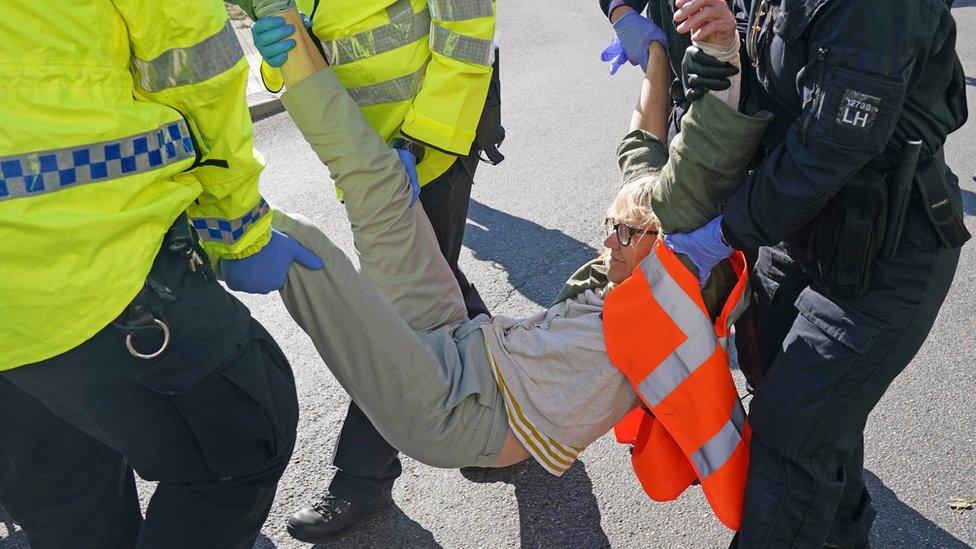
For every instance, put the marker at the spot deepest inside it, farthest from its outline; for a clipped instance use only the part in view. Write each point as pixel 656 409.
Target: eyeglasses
pixel 625 232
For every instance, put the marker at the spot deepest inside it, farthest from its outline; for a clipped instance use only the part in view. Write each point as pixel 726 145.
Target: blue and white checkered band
pixel 42 172
pixel 228 231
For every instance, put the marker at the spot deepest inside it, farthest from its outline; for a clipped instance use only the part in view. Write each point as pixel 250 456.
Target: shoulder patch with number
pixel 858 110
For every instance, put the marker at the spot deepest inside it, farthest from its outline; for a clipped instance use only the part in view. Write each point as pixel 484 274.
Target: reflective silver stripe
pixel 405 27
pixel 739 308
pixel 684 312
pixel 461 47
pixel 53 170
pixel 688 357
pixel 724 342
pixel 197 63
pixel 681 309
pixel 400 9
pixel 674 369
pixel 228 231
pixel 718 449
pixel 460 10
pixel 403 88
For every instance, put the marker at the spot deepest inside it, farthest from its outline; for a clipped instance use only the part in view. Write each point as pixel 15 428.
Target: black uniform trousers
pixel 831 361
pixel 213 420
pixel 366 465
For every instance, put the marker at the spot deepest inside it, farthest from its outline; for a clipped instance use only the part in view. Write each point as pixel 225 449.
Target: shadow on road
pixel 536 260
pixel 553 511
pixel 391 528
pixel 969 79
pixel 898 525
pixel 15 538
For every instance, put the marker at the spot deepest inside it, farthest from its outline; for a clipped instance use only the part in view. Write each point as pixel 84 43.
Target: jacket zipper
pixel 817 91
pixel 756 20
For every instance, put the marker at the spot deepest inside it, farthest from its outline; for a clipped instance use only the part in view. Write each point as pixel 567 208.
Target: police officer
pixel 119 351
pixel 424 74
pixel 858 223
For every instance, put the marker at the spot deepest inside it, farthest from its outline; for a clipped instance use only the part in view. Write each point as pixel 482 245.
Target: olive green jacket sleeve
pixel 639 154
pixel 590 276
pixel 707 162
pixel 704 165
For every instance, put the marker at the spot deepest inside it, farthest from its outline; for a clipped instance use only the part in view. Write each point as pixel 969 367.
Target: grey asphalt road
pixel 532 221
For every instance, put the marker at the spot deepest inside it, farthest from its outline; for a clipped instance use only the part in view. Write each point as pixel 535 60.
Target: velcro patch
pixel 858 110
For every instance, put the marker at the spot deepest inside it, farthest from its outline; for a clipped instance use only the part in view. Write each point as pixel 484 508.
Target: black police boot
pixel 331 515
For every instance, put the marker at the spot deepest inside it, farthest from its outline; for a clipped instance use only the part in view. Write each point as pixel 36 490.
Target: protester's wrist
pixel 728 52
pixel 661 48
pixel 263 8
pixel 617 11
pixel 404 143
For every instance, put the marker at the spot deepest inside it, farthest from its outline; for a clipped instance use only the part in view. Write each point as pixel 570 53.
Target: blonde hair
pixel 632 205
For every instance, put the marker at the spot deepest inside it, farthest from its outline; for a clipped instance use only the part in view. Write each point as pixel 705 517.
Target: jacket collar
pixel 795 17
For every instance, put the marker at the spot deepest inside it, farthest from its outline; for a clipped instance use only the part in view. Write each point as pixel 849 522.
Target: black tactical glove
pixel 702 73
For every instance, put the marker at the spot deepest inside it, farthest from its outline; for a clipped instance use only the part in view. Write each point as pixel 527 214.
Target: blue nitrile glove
pixel 704 246
pixel 636 33
pixel 271 38
pixel 614 53
pixel 266 271
pixel 410 164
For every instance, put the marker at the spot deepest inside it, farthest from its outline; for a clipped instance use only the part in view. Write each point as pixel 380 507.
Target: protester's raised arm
pixel 324 112
pixel 303 59
pixel 651 112
pixel 643 150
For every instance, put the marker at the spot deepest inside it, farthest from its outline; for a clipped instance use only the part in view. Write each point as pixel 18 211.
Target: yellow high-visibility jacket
pixel 116 116
pixel 420 67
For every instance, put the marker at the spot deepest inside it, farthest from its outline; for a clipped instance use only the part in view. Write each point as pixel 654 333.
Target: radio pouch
pixel 848 233
pixel 939 188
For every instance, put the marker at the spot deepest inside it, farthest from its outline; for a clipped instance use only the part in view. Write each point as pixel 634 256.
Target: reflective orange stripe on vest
pixel 658 334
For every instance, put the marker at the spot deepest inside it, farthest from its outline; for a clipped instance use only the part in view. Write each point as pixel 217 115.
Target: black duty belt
pixel 180 251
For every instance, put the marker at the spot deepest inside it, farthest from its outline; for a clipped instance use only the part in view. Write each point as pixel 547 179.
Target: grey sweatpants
pixel 396 334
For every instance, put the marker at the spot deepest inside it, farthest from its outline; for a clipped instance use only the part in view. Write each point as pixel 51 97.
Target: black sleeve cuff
pixel 730 237
pixel 637 5
pixel 428 145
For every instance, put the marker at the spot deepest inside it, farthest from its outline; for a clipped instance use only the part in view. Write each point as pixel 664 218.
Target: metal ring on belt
pixel 132 350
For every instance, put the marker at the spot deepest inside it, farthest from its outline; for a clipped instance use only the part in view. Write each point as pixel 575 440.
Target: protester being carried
pixel 453 392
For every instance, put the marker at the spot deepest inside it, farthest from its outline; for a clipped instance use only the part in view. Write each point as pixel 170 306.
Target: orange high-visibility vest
pixel 659 334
